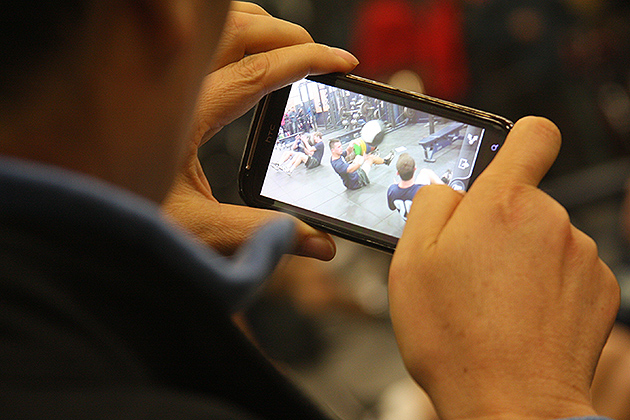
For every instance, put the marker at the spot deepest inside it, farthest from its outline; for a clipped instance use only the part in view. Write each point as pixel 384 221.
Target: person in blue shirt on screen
pixel 400 195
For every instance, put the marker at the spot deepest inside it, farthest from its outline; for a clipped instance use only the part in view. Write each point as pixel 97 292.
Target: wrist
pixel 551 412
pixel 514 416
pixel 524 417
pixel 525 400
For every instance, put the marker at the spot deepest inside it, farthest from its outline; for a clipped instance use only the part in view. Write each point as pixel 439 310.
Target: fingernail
pixel 346 56
pixel 318 247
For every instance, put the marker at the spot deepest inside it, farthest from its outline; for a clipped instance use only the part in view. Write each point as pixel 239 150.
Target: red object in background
pixel 425 37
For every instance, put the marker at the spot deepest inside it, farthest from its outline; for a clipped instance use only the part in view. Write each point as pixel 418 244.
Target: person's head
pixel 105 87
pixel 335 147
pixel 317 137
pixel 406 166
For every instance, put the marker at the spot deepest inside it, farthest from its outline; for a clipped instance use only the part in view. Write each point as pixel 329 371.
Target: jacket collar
pixel 36 194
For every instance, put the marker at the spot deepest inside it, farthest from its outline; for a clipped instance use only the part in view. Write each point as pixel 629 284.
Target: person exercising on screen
pixel 312 155
pixel 354 175
pixel 400 196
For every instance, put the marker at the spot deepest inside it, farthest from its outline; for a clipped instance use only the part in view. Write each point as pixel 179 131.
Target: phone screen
pixel 357 160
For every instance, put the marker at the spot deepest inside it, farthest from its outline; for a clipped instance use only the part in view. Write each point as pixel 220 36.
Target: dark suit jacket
pixel 109 312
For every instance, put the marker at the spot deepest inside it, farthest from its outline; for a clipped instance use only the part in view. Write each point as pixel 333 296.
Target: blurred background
pixel 567 60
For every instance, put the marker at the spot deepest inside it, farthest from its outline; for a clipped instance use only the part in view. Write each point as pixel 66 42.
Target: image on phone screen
pixel 361 160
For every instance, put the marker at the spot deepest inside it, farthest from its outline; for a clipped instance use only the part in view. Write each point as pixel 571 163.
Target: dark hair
pixel 333 142
pixel 405 166
pixel 32 33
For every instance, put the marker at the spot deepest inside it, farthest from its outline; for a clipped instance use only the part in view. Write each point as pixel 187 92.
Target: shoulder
pixel 415 187
pixel 340 161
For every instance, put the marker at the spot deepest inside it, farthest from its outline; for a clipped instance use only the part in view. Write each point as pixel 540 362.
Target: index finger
pixel 229 92
pixel 530 149
pixel 247 33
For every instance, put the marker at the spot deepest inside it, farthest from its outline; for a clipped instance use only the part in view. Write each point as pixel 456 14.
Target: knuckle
pixel 608 292
pixel 513 204
pixel 234 25
pixel 583 256
pixel 233 22
pixel 614 293
pixel 583 249
pixel 253 69
pixel 522 205
pixel 589 245
pixel 302 35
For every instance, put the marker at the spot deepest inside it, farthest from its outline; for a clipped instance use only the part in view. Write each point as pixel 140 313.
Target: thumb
pixel 530 149
pixel 527 154
pixel 432 208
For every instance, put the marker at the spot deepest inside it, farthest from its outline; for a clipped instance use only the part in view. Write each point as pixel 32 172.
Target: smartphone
pixel 346 154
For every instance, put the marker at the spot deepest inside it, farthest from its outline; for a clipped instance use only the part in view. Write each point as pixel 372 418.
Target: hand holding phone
pixel 280 52
pixel 376 146
pixel 498 303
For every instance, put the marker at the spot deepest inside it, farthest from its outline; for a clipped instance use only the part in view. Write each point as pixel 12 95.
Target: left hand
pixel 256 55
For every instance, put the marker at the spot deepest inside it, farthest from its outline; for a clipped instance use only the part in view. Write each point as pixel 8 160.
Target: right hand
pixel 500 305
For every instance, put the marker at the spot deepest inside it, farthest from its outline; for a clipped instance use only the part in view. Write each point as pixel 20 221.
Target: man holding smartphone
pixel 108 310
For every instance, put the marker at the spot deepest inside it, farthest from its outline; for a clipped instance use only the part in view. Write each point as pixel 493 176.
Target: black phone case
pixel 264 132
